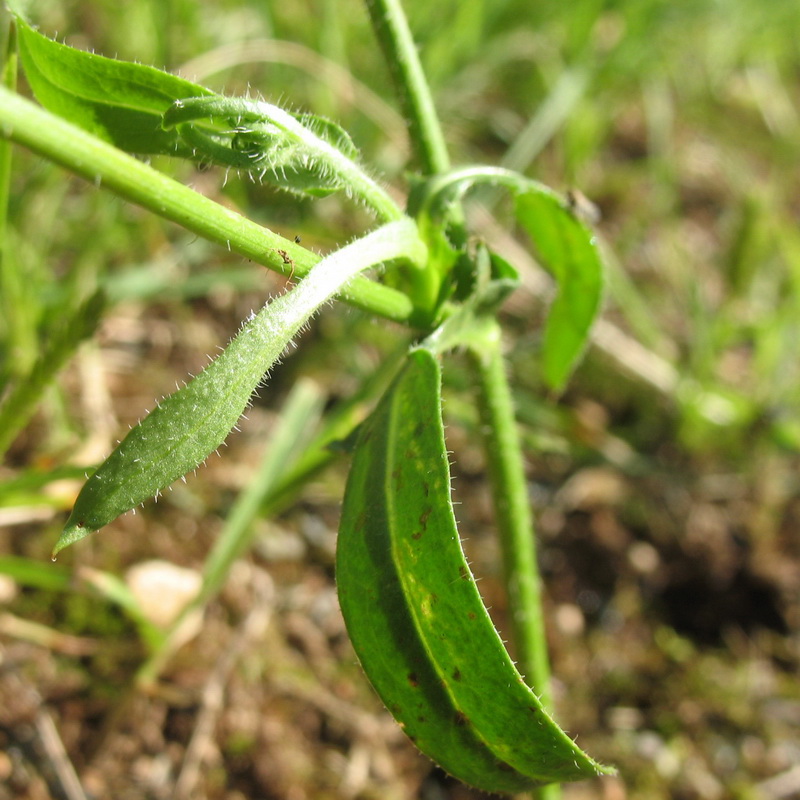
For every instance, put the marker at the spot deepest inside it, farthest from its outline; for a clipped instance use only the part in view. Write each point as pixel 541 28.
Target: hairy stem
pixel 246 111
pixel 400 53
pixel 513 517
pixel 56 139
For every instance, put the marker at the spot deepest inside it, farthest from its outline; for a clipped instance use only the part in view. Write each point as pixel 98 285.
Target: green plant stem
pixel 400 53
pixel 56 139
pixel 514 521
pixel 515 525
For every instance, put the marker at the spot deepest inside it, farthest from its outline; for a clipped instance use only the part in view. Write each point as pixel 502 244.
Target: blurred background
pixel 664 480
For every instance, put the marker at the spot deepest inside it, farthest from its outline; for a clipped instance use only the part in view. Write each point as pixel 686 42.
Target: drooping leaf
pixel 414 613
pixel 565 245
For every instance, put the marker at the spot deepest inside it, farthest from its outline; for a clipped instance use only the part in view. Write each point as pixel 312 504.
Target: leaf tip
pixel 73 532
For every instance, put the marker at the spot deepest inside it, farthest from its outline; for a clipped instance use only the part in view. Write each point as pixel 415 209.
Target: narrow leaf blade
pixel 180 432
pixel 566 248
pixel 188 425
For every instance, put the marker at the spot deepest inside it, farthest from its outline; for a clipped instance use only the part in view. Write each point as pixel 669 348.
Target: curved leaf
pixel 303 153
pixel 567 248
pixel 414 613
pixel 191 423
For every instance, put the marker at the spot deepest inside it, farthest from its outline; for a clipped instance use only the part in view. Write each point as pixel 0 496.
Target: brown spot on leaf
pixel 423 517
pixel 412 679
pixel 456 674
pixel 461 719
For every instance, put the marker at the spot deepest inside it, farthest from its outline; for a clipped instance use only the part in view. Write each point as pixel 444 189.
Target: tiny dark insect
pixel 582 207
pixel 287 259
pixel 297 240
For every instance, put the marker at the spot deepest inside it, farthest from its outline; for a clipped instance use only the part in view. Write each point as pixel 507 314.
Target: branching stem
pixel 58 140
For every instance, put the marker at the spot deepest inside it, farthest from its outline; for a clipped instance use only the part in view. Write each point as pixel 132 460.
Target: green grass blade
pixel 115 590
pixel 301 409
pixel 36 574
pixel 19 404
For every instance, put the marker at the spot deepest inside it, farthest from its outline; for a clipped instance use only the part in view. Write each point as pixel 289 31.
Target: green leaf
pixel 186 426
pixel 118 101
pixel 141 109
pixel 565 245
pixel 567 249
pixel 414 613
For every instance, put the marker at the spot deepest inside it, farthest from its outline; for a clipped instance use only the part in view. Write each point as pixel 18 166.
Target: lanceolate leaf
pixel 566 247
pixel 414 613
pixel 193 422
pixel 118 101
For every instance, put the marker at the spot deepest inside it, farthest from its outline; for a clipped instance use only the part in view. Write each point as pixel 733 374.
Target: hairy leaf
pixel 414 613
pixel 191 423
pixel 303 153
pixel 118 101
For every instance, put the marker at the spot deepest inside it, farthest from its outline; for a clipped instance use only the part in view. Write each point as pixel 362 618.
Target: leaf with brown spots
pixel 414 613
